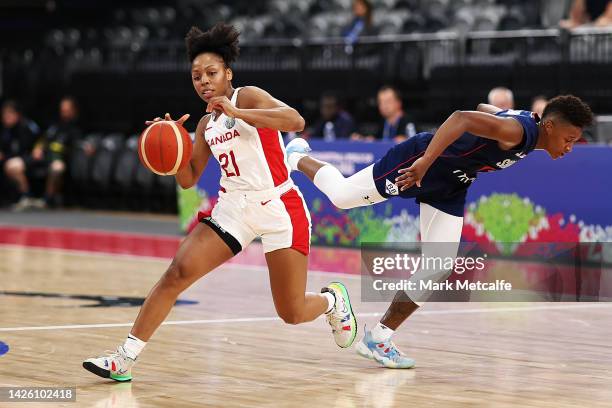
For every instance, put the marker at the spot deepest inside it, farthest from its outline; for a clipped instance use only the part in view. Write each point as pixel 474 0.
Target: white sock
pixel 331 301
pixel 133 345
pixel 294 158
pixel 380 332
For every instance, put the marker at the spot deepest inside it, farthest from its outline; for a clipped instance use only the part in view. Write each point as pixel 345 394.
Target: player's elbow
pixel 298 123
pixel 460 118
pixel 301 123
pixel 458 114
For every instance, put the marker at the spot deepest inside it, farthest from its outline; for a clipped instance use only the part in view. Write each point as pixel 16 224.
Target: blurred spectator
pixel 501 97
pixel 553 11
pixel 597 12
pixel 56 147
pixel 17 139
pixel 538 104
pixel 396 125
pixel 334 123
pixel 362 22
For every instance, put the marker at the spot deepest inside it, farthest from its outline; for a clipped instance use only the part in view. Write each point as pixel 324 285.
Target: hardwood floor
pixel 230 350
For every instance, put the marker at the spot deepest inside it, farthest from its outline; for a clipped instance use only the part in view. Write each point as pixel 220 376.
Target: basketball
pixel 165 147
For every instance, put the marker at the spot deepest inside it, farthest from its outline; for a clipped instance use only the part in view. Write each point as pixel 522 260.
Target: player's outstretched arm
pixel 189 175
pixel 505 130
pixel 259 109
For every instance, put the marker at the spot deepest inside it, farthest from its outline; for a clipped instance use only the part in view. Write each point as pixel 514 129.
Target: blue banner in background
pixel 536 200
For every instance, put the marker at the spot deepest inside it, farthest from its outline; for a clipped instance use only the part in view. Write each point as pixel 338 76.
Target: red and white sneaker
pixel 341 318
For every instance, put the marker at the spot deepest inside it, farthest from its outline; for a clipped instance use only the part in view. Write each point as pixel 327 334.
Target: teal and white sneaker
pixel 299 148
pixel 386 352
pixel 341 318
pixel 115 365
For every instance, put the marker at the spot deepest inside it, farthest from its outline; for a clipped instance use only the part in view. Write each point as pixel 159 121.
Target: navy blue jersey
pixel 445 184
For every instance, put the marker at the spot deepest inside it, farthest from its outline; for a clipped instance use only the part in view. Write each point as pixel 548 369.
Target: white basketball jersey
pixel 250 158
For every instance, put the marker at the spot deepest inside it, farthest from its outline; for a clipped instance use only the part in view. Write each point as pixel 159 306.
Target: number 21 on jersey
pixel 229 161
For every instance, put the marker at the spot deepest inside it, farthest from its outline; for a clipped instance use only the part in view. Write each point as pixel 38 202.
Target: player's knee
pixel 343 204
pixel 341 200
pixel 175 277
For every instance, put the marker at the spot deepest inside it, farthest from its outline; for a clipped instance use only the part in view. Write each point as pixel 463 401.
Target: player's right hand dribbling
pixel 179 121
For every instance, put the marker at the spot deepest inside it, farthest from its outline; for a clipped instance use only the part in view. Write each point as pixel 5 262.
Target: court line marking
pixel 275 318
pixel 78 252
pixel 164 260
pixel 93 231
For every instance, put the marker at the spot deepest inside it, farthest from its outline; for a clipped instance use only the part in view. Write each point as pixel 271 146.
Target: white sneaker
pixel 297 148
pixel 341 318
pixel 23 204
pixel 38 203
pixel 115 365
pixel 385 352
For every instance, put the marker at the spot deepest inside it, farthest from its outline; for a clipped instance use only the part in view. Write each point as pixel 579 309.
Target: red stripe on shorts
pixel 274 155
pixel 301 227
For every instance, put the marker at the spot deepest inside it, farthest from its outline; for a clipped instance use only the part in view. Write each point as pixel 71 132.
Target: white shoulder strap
pixel 235 96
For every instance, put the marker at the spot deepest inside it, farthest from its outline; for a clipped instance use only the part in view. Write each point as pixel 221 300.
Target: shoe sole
pixel 389 364
pixel 386 362
pixel 365 352
pixel 100 372
pixel 353 318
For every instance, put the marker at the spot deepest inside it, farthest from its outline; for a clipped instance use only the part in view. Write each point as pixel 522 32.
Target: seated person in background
pixel 396 125
pixel 56 147
pixel 361 24
pixel 334 123
pixel 595 12
pixel 17 138
pixel 501 97
pixel 538 104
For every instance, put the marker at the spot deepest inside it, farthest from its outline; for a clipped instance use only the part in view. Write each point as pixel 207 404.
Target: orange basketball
pixel 165 147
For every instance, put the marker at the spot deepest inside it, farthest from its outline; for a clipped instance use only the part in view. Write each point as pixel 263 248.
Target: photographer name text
pixel 428 285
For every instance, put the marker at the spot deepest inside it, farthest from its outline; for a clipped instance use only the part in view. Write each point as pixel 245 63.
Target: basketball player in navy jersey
pixel 437 170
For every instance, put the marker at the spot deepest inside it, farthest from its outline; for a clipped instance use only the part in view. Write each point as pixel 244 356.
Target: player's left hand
pixel 223 105
pixel 413 174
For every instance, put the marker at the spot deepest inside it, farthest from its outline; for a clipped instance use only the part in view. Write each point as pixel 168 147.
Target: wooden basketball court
pixel 229 349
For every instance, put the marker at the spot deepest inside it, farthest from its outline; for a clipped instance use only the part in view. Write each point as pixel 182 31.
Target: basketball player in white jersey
pixel 257 199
